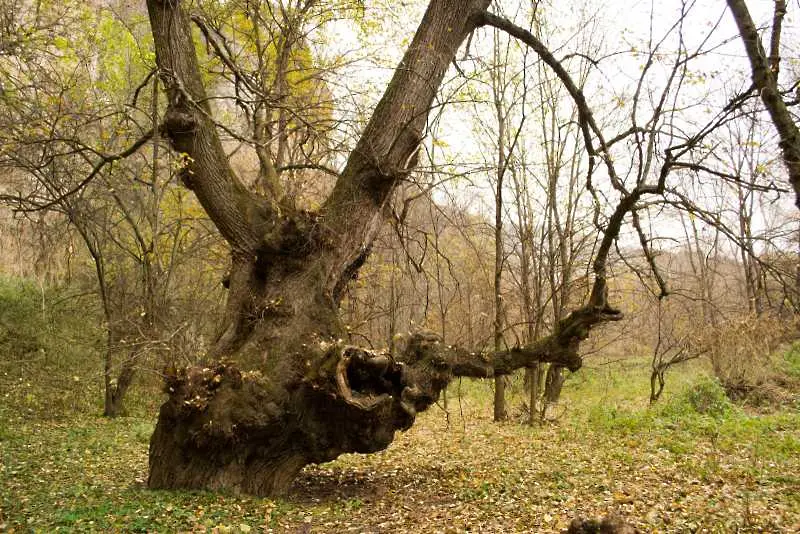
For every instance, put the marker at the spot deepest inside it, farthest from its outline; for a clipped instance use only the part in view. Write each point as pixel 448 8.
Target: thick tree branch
pixel 560 347
pixel 240 216
pixel 388 147
pixel 775 41
pixel 765 80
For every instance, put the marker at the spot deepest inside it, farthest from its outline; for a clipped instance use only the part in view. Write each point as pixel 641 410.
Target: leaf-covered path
pixel 490 478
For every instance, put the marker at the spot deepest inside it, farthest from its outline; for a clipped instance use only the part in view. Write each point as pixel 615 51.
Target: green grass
pixel 692 461
pixel 792 360
pixel 50 363
pixel 87 474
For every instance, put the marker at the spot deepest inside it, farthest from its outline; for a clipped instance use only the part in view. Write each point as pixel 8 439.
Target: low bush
pixel 50 364
pixel 708 397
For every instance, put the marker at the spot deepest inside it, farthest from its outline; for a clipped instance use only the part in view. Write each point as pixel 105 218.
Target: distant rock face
pixel 611 524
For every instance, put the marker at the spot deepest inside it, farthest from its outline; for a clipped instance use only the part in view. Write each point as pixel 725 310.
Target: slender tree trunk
pixel 500 412
pixel 553 383
pixel 657 383
pixel 441 299
pixel 532 314
pixel 116 388
pixel 533 376
pixel 110 407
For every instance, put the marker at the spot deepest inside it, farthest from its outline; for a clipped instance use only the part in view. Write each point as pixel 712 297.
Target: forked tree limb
pixel 388 147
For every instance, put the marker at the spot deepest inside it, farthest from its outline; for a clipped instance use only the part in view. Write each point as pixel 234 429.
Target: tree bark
pixel 223 428
pixel 657 383
pixel 553 383
pixel 117 388
pixel 500 413
pixel 220 425
pixel 765 79
pixel 279 389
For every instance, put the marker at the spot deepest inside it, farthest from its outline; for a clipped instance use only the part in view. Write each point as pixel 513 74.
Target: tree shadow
pixel 317 485
pixel 321 484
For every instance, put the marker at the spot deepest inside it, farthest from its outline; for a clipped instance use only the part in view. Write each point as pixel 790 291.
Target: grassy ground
pixel 694 463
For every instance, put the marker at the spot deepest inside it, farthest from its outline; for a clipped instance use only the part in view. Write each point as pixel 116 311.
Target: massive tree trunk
pixel 249 431
pixel 279 389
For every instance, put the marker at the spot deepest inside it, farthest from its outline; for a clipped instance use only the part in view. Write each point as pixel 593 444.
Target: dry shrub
pixel 742 354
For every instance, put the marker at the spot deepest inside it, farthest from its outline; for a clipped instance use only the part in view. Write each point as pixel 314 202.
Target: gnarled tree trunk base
pixel 241 468
pixel 225 429
pixel 222 428
pixel 219 432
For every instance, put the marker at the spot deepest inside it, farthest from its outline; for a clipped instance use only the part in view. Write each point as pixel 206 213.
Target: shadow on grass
pixel 323 484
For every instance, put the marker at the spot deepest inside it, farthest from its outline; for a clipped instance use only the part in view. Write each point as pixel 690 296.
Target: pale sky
pixel 622 30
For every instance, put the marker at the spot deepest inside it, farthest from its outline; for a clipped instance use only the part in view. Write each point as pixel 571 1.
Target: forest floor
pixel 692 463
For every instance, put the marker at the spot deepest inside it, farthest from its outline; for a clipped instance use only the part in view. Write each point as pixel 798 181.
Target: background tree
pixel 71 159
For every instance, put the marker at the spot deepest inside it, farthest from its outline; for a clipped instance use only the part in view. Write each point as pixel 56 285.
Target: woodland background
pixel 685 414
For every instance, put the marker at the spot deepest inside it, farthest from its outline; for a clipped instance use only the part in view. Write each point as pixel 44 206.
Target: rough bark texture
pixel 280 390
pixel 765 74
pixel 553 384
pixel 116 389
pixel 243 431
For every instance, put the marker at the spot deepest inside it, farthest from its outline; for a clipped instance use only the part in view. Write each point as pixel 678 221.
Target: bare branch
pixel 765 80
pixel 83 183
pixel 585 117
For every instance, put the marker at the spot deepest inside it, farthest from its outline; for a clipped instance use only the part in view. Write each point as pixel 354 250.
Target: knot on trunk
pixel 217 404
pixel 364 379
pixel 427 367
pixel 357 398
pixel 286 239
pixel 178 122
pixel 196 385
